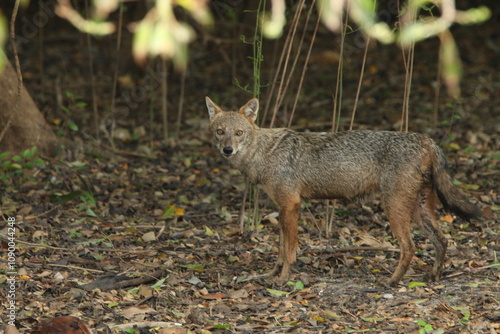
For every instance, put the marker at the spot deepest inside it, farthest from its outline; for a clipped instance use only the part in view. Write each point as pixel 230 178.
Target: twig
pixel 356 249
pixel 338 84
pixel 410 16
pixel 75 267
pixel 281 92
pixel 35 244
pixel 304 69
pixel 42 213
pixel 117 69
pixel 66 11
pixel 437 91
pixel 296 59
pixel 488 266
pixel 123 281
pixel 356 99
pixel 92 80
pixel 164 109
pixel 162 324
pixel 181 102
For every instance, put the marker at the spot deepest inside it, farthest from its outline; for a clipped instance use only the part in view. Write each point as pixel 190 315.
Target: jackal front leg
pixel 289 215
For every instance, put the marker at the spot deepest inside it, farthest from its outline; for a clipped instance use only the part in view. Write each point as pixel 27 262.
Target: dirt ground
pixel 146 234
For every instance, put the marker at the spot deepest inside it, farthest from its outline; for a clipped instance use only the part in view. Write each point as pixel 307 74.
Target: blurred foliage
pixel 416 22
pixel 159 33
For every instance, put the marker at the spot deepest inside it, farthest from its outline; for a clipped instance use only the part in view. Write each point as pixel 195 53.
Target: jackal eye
pixel 220 132
pixel 239 132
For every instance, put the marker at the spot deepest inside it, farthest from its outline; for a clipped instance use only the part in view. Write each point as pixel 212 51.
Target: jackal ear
pixel 213 109
pixel 250 109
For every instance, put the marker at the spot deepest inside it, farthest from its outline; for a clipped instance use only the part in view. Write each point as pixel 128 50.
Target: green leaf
pixel 158 283
pixel 466 317
pixel 208 231
pixel 75 234
pixel 28 153
pixel 168 212
pixel 5 155
pixel 278 293
pixel 73 126
pixel 297 285
pixel 90 213
pixel 178 314
pixel 6 164
pixel 421 323
pixel 66 110
pixel 196 267
pixel 39 162
pixel 80 104
pixel 412 285
pixel 133 291
pixel 88 197
pixel 225 326
pixel 131 331
pixel 470 186
pixel 63 199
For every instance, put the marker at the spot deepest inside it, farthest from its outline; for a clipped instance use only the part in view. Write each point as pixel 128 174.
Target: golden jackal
pixel 408 170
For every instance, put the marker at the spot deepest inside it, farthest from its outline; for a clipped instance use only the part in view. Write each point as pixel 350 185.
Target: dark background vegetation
pixel 120 199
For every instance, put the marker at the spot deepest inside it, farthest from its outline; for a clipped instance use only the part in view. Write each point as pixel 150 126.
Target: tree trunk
pixel 28 127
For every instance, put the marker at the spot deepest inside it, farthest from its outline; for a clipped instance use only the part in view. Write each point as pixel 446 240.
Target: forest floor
pixel 147 235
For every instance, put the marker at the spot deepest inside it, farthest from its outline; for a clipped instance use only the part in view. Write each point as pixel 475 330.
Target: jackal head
pixel 232 130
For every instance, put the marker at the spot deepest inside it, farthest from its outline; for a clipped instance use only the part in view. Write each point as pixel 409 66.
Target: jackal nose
pixel 227 150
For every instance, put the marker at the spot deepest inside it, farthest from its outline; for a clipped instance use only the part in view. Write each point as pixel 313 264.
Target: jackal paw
pixel 266 274
pixel 390 283
pixel 432 277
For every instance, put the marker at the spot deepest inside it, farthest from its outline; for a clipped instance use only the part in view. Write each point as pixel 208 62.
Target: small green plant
pixel 85 196
pixel 424 327
pixel 297 285
pixel 427 328
pixel 75 234
pixel 74 102
pixel 222 326
pixel 88 201
pixel 466 317
pixel 19 165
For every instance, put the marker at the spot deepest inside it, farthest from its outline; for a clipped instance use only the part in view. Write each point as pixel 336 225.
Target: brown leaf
pixel 214 296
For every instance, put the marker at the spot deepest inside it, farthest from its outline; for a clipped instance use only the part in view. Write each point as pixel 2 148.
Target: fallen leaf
pixel 447 218
pixel 133 311
pixel 214 296
pixel 278 293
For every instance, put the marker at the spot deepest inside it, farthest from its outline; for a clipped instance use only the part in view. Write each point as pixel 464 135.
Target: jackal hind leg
pixel 427 211
pixel 399 210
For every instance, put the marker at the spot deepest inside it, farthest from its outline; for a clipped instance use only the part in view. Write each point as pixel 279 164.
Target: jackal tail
pixel 451 197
